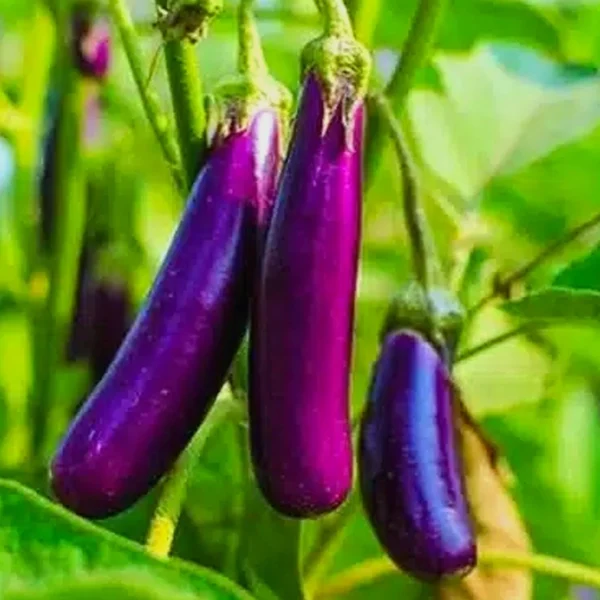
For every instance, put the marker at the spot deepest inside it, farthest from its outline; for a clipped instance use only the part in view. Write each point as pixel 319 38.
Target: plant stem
pixel 38 56
pixel 499 339
pixel 425 262
pixel 336 18
pixel 365 15
pixel 371 570
pixel 157 119
pixel 251 58
pixel 188 104
pixel 166 516
pixel 524 271
pixel 326 545
pixel 414 54
pixel 66 241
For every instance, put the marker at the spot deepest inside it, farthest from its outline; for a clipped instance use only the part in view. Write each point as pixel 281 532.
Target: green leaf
pixel 557 306
pixel 40 543
pixel 128 584
pixel 527 105
pixel 470 21
pixel 581 274
pixel 270 549
pixel 504 376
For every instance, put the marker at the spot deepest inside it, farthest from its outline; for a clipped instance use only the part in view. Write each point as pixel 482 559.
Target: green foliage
pixel 504 125
pixel 40 542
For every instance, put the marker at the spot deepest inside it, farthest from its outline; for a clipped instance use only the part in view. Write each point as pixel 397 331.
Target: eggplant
pixel 176 356
pixel 90 44
pixel 410 476
pixel 302 320
pixel 110 319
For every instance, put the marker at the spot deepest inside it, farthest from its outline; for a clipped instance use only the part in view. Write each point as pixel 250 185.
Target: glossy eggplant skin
pixel 301 338
pixel 176 356
pixel 409 470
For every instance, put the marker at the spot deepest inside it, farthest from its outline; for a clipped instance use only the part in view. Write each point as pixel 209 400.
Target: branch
pixel 158 120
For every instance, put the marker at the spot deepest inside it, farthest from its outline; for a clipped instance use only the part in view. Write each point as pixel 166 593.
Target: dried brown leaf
pixel 497 522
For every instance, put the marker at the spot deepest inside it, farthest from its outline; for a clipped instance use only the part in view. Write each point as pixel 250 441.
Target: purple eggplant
pixel 110 316
pixel 90 43
pixel 176 356
pixel 409 469
pixel 301 337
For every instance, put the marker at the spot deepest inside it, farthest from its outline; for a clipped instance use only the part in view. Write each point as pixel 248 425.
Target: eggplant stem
pixel 188 104
pixel 158 120
pixel 163 525
pixel 336 18
pixel 424 255
pixel 251 58
pixel 413 56
pixel 374 569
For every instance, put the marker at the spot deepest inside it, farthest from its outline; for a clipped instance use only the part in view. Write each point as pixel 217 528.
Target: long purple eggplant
pixel 410 476
pixel 177 354
pixel 301 337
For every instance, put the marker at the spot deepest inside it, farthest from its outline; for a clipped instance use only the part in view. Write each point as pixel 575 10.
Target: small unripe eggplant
pixel 176 356
pixel 301 338
pixel 410 476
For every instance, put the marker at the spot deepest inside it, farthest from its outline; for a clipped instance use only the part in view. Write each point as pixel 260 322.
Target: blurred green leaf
pixel 470 21
pixel 270 549
pixel 42 543
pixel 127 584
pixel 494 118
pixel 581 274
pixel 505 376
pixel 557 305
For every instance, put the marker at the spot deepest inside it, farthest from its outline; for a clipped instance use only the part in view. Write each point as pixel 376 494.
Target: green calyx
pixel 436 314
pixel 241 96
pixel 342 66
pixel 186 19
pixel 238 98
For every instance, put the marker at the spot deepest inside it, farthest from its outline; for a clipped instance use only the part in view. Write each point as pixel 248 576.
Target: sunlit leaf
pixel 42 543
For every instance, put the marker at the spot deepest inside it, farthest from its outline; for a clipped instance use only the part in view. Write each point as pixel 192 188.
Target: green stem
pixel 336 18
pixel 413 57
pixel 372 570
pixel 67 237
pixel 38 56
pixel 499 339
pixel 188 104
pixel 251 58
pixel 416 50
pixel 166 516
pixel 365 15
pixel 325 547
pixel 425 262
pixel 522 272
pixel 157 119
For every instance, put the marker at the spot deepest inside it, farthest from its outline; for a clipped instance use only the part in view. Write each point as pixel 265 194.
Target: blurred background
pixel 503 123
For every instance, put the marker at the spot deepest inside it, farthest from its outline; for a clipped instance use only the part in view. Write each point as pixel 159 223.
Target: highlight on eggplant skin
pixel 410 476
pixel 175 358
pixel 301 338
